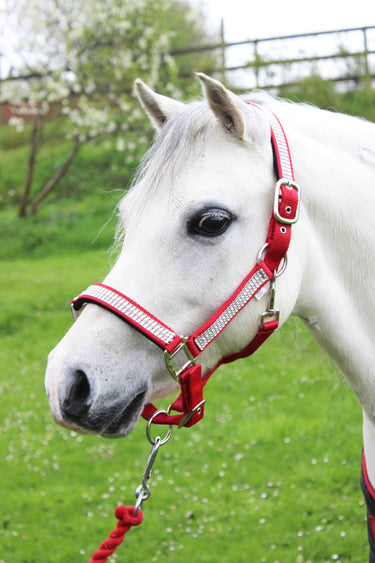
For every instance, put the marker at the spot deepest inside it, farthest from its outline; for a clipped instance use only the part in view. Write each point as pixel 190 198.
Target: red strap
pixel 261 336
pixel 279 233
pixel 131 312
pixel 371 520
pixel 192 395
pixel 172 419
pixel 368 490
pixel 189 403
pixel 366 477
pixel 259 276
pixel 192 384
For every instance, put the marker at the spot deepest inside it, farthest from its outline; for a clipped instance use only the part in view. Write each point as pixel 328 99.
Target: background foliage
pixel 79 60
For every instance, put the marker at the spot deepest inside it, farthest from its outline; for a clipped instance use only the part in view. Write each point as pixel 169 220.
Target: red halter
pixel 181 352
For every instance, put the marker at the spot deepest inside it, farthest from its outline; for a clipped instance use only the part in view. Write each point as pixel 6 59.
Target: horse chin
pixel 121 431
pixel 124 422
pixel 110 421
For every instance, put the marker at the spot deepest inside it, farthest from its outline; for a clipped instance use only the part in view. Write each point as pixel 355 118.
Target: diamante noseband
pixel 182 352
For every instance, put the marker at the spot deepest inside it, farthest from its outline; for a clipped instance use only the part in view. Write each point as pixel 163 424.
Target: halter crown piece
pixel 182 352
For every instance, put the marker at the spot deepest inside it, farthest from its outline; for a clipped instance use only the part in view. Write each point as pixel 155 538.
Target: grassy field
pixel 271 474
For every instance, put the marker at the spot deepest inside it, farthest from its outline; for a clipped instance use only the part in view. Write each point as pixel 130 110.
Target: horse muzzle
pixel 77 404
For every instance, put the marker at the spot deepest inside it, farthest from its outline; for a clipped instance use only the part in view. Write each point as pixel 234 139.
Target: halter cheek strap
pixel 180 352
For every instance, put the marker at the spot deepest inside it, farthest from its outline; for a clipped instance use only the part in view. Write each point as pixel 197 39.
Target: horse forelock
pixel 181 138
pixel 181 141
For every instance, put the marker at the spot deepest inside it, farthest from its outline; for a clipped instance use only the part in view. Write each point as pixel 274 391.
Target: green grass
pixel 61 228
pixel 271 474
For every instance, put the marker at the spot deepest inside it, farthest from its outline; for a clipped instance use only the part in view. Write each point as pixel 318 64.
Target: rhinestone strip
pixel 128 309
pixel 244 296
pixel 281 145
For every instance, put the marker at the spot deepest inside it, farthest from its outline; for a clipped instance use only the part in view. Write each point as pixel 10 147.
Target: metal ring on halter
pixel 261 252
pixel 284 261
pixel 149 422
pixel 284 264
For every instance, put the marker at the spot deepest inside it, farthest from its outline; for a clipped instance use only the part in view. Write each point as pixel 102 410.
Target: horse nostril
pixel 76 404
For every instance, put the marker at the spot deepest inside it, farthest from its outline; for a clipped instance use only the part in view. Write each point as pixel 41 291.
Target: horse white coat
pixel 216 154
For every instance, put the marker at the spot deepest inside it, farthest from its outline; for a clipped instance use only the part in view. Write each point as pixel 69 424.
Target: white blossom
pixel 17 122
pixel 62 41
pixel 120 145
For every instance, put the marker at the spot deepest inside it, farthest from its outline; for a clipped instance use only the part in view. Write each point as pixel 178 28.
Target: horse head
pixel 193 223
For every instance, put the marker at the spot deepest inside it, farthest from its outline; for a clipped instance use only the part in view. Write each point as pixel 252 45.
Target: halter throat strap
pixel 181 352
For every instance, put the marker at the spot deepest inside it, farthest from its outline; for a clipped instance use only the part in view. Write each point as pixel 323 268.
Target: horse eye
pixel 210 223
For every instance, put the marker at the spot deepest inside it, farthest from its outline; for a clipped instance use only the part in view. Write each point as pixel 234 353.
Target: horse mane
pixel 349 133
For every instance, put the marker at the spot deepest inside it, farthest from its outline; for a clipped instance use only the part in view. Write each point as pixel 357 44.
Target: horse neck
pixel 335 169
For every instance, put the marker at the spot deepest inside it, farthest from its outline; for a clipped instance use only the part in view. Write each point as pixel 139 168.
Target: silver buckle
pixel 189 415
pixel 173 367
pixel 269 313
pixel 290 185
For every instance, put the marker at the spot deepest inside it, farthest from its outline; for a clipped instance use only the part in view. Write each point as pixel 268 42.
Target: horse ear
pixel 232 112
pixel 157 107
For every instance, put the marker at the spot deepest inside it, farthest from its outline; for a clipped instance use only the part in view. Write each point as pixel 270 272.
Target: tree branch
pixel 52 183
pixel 34 144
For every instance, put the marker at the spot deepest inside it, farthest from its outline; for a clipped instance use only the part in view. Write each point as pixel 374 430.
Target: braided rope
pixel 126 520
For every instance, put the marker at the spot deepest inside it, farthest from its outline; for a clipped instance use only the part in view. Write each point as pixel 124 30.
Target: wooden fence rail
pixel 365 70
pixel 258 62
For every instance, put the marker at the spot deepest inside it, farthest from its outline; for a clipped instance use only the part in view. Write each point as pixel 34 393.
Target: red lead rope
pixel 131 516
pixel 126 519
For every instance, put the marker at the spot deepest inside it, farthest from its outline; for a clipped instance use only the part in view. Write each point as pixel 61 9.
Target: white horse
pixel 194 222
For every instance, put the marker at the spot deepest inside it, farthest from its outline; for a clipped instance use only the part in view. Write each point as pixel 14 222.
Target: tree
pixel 80 58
